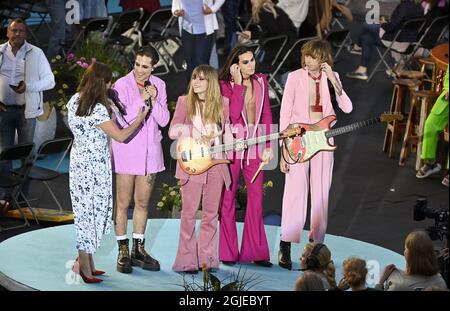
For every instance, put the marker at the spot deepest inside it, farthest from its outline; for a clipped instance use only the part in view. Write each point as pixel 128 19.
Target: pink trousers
pixel 316 175
pixel 254 242
pixel 195 252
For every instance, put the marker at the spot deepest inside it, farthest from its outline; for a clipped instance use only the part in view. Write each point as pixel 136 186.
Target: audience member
pixel 309 281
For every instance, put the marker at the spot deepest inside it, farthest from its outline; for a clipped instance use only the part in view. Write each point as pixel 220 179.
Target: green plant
pixel 170 197
pixel 235 282
pixel 241 194
pixel 68 71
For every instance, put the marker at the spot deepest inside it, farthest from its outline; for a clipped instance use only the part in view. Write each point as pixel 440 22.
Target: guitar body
pixel 194 157
pixel 302 148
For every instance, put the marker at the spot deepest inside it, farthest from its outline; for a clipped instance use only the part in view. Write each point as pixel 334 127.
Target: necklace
pixel 317 107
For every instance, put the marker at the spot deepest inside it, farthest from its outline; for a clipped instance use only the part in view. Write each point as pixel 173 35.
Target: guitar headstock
pixel 292 130
pixel 392 116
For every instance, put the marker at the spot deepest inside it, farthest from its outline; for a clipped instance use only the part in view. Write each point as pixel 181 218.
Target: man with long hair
pixel 250 115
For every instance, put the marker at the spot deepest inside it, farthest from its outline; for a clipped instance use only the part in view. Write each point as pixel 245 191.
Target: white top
pixel 297 10
pixel 400 281
pixel 12 71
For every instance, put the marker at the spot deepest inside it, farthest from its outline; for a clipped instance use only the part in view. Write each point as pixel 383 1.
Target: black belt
pixel 6 107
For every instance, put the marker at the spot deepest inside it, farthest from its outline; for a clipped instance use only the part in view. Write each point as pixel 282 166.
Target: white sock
pixel 138 236
pixel 121 237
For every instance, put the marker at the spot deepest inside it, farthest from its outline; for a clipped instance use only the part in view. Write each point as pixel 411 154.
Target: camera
pixel 440 216
pixel 436 232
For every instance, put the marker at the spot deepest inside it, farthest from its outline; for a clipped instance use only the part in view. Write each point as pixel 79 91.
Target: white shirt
pixel 12 71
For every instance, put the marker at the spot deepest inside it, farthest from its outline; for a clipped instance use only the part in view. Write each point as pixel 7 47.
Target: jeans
pixel 61 31
pixel 197 49
pixel 11 121
pixel 367 40
pixel 230 11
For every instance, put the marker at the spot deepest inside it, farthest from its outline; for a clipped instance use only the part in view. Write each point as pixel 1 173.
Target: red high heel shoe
pixel 94 272
pixel 76 268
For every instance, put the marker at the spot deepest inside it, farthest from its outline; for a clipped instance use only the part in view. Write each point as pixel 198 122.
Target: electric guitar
pixel 194 155
pixel 315 137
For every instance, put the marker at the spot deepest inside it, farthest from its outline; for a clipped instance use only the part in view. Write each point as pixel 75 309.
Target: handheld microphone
pixel 148 101
pixel 114 96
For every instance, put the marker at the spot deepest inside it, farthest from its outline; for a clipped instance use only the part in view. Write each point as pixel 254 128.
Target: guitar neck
pixel 351 127
pixel 248 142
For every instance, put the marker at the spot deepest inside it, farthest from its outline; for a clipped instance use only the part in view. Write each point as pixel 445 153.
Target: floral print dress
pixel 90 177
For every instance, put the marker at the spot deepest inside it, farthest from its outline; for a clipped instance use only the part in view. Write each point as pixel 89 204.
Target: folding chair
pixel 429 38
pixel 337 14
pixel 268 54
pixel 411 25
pixel 285 66
pixel 124 33
pixel 101 24
pixel 37 7
pixel 13 182
pixel 58 147
pixel 338 39
pixel 157 31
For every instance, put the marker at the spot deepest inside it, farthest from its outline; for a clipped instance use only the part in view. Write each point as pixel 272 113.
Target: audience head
pixel 16 32
pixel 204 90
pixel 309 281
pixel 259 5
pixel 316 52
pixel 146 58
pixel 92 88
pixel 317 257
pixel 420 255
pixel 244 57
pixel 355 271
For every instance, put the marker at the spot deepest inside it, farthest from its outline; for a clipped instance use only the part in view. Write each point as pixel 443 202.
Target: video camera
pixel 440 216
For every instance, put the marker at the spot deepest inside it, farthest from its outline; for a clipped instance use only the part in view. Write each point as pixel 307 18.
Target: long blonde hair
pixel 266 5
pixel 212 110
pixel 326 265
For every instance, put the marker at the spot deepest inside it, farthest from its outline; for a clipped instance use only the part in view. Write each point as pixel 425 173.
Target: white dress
pixel 90 176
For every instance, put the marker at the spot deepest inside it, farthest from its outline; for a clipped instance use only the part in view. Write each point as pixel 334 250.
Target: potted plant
pixel 170 199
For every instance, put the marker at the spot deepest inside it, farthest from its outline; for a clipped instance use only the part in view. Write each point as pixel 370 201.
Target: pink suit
pixel 205 188
pixel 295 109
pixel 254 242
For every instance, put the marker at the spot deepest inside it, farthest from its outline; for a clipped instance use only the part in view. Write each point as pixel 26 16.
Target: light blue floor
pixel 42 259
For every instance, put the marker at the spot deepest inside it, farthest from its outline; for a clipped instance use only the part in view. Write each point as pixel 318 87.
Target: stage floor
pixel 42 260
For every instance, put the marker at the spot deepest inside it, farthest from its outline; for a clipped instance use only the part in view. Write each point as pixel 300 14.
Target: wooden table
pixel 440 56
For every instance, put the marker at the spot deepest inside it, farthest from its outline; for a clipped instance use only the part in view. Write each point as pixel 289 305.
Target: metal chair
pixel 14 182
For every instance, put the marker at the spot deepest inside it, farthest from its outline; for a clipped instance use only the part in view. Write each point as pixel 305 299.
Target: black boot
pixel 124 260
pixel 284 255
pixel 139 256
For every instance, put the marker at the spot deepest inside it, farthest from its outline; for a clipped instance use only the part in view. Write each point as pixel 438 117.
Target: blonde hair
pixel 212 111
pixel 318 49
pixel 309 281
pixel 326 265
pixel 355 271
pixel 266 5
pixel 420 258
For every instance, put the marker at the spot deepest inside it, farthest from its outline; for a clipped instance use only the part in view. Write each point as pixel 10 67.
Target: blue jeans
pixel 367 40
pixel 197 49
pixel 11 121
pixel 230 11
pixel 61 31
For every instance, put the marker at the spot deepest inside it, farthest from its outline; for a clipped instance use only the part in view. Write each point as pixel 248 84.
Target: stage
pixel 42 260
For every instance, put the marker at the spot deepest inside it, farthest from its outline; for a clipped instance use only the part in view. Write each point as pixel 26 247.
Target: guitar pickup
pixel 183 156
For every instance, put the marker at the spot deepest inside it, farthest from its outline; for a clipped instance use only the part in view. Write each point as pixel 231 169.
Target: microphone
pixel 148 101
pixel 114 96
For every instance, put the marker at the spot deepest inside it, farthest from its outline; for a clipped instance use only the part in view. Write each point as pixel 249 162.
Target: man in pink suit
pixel 137 161
pixel 306 99
pixel 250 116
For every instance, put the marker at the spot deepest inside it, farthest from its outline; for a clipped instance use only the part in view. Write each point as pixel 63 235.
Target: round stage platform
pixel 42 260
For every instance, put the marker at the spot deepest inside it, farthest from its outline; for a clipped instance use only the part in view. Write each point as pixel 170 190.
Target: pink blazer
pixel 295 102
pixel 181 126
pixel 142 153
pixel 238 115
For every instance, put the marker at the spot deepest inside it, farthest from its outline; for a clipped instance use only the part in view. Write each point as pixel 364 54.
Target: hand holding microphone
pixel 152 92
